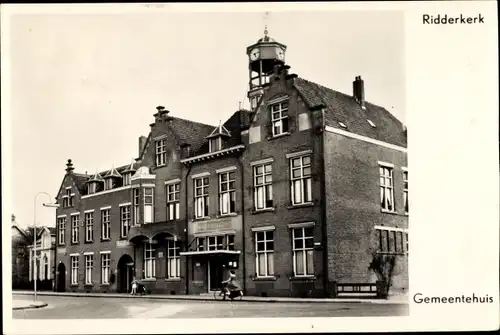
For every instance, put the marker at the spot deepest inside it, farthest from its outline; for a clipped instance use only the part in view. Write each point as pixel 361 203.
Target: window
pixel 263 188
pixel 215 144
pixel 45 274
pixel 230 242
pixel 201 197
pixel 105 224
pixel 125 220
pixel 149 261
pixel 89 227
pixel 219 242
pixel 68 198
pixel 89 263
pixel 405 191
pixel 279 118
pixel 386 189
pixel 92 188
pixel 136 206
pixel 126 179
pixel 61 224
pixel 303 242
pixel 173 259
pixel 216 242
pixel 392 241
pixel 105 266
pixel 109 184
pixel 74 270
pixel 148 204
pixel 200 243
pixel 227 193
pixel 264 249
pixel 75 232
pixel 173 198
pixel 161 152
pixel 301 180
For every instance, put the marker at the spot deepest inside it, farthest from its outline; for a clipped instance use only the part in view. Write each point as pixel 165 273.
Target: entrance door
pixel 215 274
pixel 125 274
pixel 61 278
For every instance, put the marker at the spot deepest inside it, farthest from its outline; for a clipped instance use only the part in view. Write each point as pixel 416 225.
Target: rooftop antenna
pixel 239 105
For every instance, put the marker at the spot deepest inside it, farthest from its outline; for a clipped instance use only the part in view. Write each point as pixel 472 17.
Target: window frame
pixel 89 227
pixel 229 200
pixel 106 224
pixel 75 229
pixel 89 265
pixel 148 203
pixel 173 201
pixel 399 244
pixel 281 119
pixel 175 259
pixel 304 251
pixel 149 261
pixel 304 180
pixel 105 268
pixel 266 252
pixel 265 186
pixel 125 220
pixel 201 200
pixel 61 225
pixel 405 192
pixel 74 260
pixel 161 152
pixel 137 203
pixel 385 204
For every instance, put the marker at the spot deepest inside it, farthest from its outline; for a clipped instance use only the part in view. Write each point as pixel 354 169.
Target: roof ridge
pixel 196 122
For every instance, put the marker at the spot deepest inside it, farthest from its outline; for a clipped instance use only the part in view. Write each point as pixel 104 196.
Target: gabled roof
pixel 95 178
pixel 220 130
pixel 112 173
pixel 23 233
pixel 190 132
pixel 130 168
pixel 343 108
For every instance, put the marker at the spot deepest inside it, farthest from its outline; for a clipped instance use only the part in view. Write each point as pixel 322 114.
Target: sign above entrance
pixel 216 225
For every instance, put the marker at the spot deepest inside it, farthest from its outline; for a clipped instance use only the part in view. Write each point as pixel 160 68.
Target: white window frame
pixel 405 192
pixel 173 201
pixel 201 201
pixel 173 259
pixel 137 201
pixel 75 229
pixel 61 225
pixel 126 179
pixel 279 118
pixel 386 177
pixel 227 196
pixel 89 264
pixel 106 224
pixel 218 144
pixel 125 218
pixel 263 190
pixel 161 152
pixel 200 243
pixel 300 253
pixel 149 261
pixel 92 188
pixel 68 198
pixel 301 186
pixel 74 269
pixel 109 183
pixel 218 242
pixel 268 253
pixel 105 267
pixel 149 205
pixel 89 227
pixel 384 235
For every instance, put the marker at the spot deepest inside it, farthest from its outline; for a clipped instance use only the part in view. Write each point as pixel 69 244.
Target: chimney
pixel 13 219
pixel 358 87
pixel 69 167
pixel 142 142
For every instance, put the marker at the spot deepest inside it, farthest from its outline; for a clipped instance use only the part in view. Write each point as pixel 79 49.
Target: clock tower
pixel 262 57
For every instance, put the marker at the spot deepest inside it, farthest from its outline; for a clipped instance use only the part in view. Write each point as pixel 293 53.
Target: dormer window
pixel 126 179
pixel 279 118
pixel 109 184
pixel 215 138
pixel 371 123
pixel 92 188
pixel 215 144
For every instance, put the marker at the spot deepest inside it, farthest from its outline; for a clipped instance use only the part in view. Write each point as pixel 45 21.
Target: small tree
pixel 383 265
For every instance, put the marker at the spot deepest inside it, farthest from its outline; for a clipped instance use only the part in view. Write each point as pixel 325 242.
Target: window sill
pixel 105 239
pixel 263 210
pixel 407 214
pixel 88 285
pixel 307 204
pixel 148 280
pixel 75 243
pixel 62 244
pixel 89 242
pixel 266 278
pixel 302 278
pixel 202 219
pixel 104 285
pixel 74 285
pixel 160 166
pixel 172 280
pixel 226 215
pixel 388 212
pixel 273 137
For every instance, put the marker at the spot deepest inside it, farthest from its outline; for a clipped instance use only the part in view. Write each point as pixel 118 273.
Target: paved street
pixel 140 307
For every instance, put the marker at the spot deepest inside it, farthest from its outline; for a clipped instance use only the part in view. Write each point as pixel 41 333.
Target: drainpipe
pixel 186 226
pixel 323 205
pixel 243 224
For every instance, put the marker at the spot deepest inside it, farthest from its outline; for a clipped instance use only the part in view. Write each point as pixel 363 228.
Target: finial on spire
pixel 239 105
pixel 266 16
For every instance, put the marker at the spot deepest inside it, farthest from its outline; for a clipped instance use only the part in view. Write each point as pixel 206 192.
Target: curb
pixel 29 307
pixel 202 298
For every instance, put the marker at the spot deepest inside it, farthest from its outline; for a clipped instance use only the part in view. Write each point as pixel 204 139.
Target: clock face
pixel 254 54
pixel 280 53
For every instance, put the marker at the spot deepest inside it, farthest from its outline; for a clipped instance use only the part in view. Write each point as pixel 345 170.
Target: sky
pixel 85 86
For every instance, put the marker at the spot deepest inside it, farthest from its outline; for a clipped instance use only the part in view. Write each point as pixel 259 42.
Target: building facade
pixel 294 195
pixel 41 260
pixel 21 240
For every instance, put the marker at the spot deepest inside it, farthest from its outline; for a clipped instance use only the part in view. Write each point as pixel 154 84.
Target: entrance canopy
pixel 210 252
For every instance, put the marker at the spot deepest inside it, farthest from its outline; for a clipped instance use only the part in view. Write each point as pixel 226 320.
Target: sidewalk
pixel 25 304
pixel 395 299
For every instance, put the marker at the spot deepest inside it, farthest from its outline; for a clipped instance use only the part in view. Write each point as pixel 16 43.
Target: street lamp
pixel 53 205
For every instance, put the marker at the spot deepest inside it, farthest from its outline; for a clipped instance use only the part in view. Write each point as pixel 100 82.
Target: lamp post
pixel 54 205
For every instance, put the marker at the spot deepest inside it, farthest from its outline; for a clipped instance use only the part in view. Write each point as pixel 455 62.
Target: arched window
pixel 45 267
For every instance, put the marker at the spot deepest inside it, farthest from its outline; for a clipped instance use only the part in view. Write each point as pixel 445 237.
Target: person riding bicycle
pixel 232 283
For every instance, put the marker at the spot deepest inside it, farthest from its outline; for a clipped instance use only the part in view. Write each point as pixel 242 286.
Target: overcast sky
pixel 85 87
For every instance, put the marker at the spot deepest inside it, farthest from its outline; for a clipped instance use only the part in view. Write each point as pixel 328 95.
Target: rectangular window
pixel 105 224
pixel 125 221
pixel 264 253
pixel 61 225
pixel 200 243
pixel 74 270
pixel 75 231
pixel 230 242
pixel 201 197
pixel 149 261
pixel 405 191
pixel 263 188
pixel 173 201
pixel 148 204
pixel 92 188
pixel 216 242
pixel 173 259
pixel 126 179
pixel 386 189
pixel 89 263
pixel 161 152
pixel 105 266
pixel 392 241
pixel 303 253
pixel 227 193
pixel 136 206
pixel 279 118
pixel 300 176
pixel 109 184
pixel 89 227
pixel 215 144
pixel 68 198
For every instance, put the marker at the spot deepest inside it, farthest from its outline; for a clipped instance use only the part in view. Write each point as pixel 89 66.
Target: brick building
pixel 294 195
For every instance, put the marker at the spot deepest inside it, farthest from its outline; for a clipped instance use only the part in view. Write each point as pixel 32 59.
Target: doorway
pixel 215 274
pixel 61 278
pixel 125 274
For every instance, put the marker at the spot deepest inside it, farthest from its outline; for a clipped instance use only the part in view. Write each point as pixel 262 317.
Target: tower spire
pixel 266 16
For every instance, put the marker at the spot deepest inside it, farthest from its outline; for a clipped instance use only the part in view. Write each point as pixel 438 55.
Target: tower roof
pixel 95 178
pixel 112 173
pixel 220 130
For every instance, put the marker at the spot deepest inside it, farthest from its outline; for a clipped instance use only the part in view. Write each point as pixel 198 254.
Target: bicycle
pixel 222 293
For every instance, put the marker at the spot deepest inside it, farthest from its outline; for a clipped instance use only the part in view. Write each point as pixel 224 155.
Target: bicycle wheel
pixel 219 295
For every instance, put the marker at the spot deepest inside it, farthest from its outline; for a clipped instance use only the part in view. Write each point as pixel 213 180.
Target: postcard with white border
pixel 250 167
